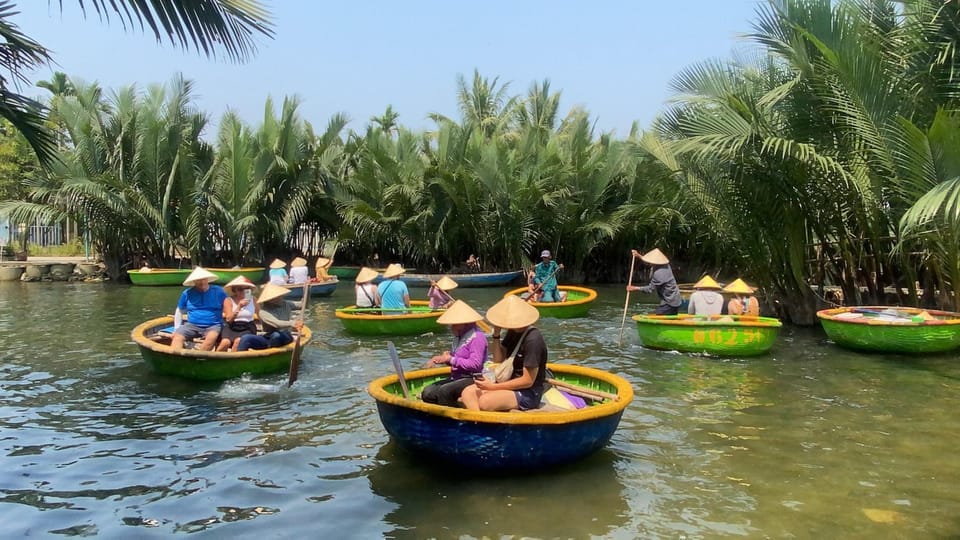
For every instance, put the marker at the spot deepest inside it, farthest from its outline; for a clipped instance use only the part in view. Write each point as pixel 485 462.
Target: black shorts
pixel 236 329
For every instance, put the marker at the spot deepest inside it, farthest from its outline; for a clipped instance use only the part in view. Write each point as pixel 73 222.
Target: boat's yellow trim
pixel 952 317
pixel 591 296
pixel 624 391
pixel 139 335
pixel 188 270
pixel 341 314
pixel 709 320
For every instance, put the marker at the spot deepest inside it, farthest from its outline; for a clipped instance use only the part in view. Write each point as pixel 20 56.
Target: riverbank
pixel 52 269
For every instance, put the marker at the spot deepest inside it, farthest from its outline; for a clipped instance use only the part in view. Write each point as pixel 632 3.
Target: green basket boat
pixel 154 343
pixel 418 319
pixel 892 330
pixel 718 335
pixel 344 272
pixel 170 277
pixel 577 304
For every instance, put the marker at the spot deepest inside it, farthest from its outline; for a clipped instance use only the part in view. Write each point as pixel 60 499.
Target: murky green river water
pixel 809 441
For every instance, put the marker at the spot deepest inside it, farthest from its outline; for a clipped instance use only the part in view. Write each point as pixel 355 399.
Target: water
pixel 807 442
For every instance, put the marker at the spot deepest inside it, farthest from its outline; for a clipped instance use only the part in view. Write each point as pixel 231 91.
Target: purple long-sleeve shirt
pixel 467 357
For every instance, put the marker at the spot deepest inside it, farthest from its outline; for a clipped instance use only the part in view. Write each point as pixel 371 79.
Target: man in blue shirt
pixel 545 277
pixel 394 295
pixel 203 304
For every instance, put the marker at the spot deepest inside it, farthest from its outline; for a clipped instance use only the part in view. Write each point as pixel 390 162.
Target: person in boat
pixel 545 278
pixel 743 301
pixel 367 295
pixel 533 293
pixel 299 273
pixel 321 267
pixel 393 292
pixel 203 304
pixel 276 318
pixel 438 296
pixel 473 263
pixel 661 281
pixel 278 272
pixel 465 356
pixel 238 313
pixel 523 345
pixel 145 268
pixel 706 299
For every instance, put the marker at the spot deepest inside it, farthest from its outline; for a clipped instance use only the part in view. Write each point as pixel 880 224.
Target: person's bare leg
pixel 177 341
pixel 236 345
pixel 498 400
pixel 224 345
pixel 209 340
pixel 471 397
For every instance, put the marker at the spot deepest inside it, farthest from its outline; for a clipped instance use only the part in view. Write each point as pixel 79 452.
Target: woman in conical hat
pixel 526 351
pixel 707 299
pixel 321 267
pixel 367 296
pixel 203 304
pixel 394 295
pixel 299 273
pixel 438 296
pixel 278 272
pixel 276 318
pixel 661 281
pixel 743 302
pixel 239 310
pixel 465 356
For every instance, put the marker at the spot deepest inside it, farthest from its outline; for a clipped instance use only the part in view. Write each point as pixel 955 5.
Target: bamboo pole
pixel 626 301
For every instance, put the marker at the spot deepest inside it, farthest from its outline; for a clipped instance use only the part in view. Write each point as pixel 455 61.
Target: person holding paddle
pixel 438 295
pixel 545 278
pixel 465 356
pixel 276 317
pixel 661 281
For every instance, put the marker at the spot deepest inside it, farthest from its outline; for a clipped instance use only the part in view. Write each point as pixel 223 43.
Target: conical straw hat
pixel 393 270
pixel 655 256
pixel 738 287
pixel 277 263
pixel 299 261
pixel 322 262
pixel 447 284
pixel 706 282
pixel 197 275
pixel 459 313
pixel 512 312
pixel 366 275
pixel 272 292
pixel 240 282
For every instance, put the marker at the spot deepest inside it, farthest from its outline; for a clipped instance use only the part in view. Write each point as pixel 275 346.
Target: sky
pixel 613 58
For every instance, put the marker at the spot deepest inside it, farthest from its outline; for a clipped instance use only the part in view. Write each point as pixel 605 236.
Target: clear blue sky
pixel 613 58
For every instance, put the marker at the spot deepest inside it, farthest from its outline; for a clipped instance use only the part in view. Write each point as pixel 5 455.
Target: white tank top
pixel 246 312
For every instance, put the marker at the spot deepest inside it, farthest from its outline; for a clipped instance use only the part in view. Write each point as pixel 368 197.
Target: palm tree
pixel 213 27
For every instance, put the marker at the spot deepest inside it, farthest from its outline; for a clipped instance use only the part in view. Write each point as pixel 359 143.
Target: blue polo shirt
pixel 391 293
pixel 203 308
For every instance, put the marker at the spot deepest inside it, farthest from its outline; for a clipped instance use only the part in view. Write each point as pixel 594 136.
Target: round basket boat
pixel 318 289
pixel 170 277
pixel 718 335
pixel 153 339
pixel 417 319
pixel 577 304
pixel 502 440
pixel 892 330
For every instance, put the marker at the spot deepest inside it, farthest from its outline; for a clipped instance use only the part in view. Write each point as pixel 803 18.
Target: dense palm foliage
pixel 828 155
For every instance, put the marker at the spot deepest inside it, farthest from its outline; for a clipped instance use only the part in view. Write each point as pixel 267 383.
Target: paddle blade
pixel 398 367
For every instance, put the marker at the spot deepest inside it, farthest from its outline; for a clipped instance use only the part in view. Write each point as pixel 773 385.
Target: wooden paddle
pixel 626 302
pixel 482 324
pixel 540 286
pixel 399 368
pixel 297 347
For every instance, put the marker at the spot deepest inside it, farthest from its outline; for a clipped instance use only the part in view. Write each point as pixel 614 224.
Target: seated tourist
pixel 394 295
pixel 299 273
pixel 743 302
pixel 275 315
pixel 203 304
pixel 706 300
pixel 239 310
pixel 366 289
pixel 321 267
pixel 278 272
pixel 524 348
pixel 465 357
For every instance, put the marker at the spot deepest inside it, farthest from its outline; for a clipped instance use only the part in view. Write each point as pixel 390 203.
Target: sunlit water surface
pixel 809 441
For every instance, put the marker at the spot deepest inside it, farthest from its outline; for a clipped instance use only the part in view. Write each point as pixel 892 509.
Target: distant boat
pixel 344 272
pixel 719 335
pixel 159 277
pixel 577 304
pixel 153 339
pixel 492 279
pixel 317 289
pixel 418 319
pixel 503 440
pixel 903 330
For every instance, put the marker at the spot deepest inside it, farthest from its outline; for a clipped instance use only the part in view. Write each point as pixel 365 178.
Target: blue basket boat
pixel 502 440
